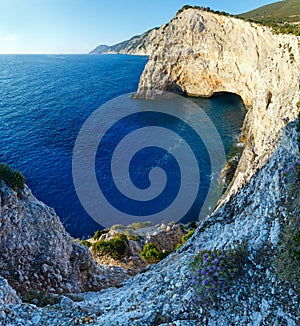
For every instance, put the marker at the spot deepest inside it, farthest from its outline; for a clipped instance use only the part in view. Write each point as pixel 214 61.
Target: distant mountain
pixel 138 45
pixel 100 48
pixel 278 12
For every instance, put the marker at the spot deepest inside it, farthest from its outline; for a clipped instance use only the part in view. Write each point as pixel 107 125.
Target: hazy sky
pixel 77 26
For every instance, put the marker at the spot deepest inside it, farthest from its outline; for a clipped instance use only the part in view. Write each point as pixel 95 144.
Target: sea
pixel 44 102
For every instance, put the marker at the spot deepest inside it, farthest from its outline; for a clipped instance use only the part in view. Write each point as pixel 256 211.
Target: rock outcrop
pixel 37 254
pixel 201 53
pixel 164 237
pixel 7 294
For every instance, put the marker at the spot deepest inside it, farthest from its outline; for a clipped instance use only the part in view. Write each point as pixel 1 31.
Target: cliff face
pixel 36 253
pixel 138 45
pixel 201 53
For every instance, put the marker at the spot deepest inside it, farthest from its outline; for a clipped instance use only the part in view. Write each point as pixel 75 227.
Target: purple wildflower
pixel 204 282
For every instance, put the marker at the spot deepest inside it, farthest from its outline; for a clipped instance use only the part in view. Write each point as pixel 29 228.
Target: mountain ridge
pixel 277 12
pixel 136 45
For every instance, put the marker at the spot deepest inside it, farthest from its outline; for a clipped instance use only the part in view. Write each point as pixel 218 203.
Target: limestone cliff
pixel 138 45
pixel 201 53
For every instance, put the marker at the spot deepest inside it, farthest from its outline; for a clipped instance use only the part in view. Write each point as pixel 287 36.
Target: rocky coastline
pixel 198 53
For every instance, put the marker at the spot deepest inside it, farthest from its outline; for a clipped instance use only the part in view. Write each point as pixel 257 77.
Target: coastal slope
pixel 138 45
pixel 281 11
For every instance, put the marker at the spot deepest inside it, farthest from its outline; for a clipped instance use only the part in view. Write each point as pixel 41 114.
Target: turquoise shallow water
pixel 44 101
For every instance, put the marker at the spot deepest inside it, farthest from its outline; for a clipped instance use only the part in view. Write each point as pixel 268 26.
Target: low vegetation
pixel 278 12
pixel 282 23
pixel 39 298
pixel 86 243
pixel 13 179
pixel 151 254
pixel 116 248
pixel 98 234
pixel 283 17
pixel 185 238
pixel 288 258
pixel 213 271
pixel 203 9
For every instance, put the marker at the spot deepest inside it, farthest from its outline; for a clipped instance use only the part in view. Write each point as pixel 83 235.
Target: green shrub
pixel 193 225
pixel 223 13
pixel 288 258
pixel 133 237
pixel 98 234
pixel 140 225
pixel 116 248
pixel 185 238
pixel 151 254
pixel 86 243
pixel 13 179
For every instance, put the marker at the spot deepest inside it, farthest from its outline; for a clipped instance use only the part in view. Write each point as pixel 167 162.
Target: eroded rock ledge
pixel 200 53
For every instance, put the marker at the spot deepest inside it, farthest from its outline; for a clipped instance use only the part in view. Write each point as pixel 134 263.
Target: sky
pixel 78 26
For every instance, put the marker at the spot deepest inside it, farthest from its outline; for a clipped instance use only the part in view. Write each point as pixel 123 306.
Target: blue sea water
pixel 44 101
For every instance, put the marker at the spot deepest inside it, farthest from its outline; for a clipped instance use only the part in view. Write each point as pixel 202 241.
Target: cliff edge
pixel 201 53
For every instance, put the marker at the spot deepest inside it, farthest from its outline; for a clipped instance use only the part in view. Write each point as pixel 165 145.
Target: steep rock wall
pixel 36 253
pixel 201 53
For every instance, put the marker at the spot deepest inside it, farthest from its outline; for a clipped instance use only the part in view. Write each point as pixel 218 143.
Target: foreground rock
pixel 37 254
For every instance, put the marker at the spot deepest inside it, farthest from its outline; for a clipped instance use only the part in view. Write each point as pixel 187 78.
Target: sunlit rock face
pixel 200 53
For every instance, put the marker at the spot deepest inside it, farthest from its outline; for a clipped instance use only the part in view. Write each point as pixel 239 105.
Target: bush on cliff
pixel 13 179
pixel 288 259
pixel 185 238
pixel 116 248
pixel 98 234
pixel 151 254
